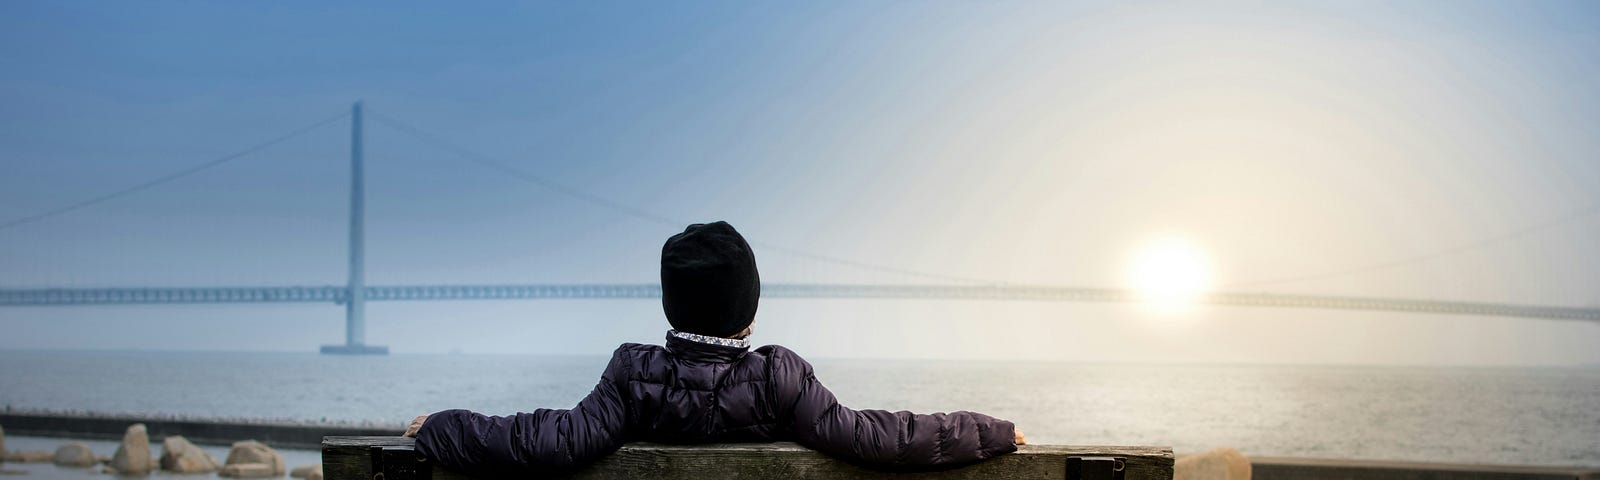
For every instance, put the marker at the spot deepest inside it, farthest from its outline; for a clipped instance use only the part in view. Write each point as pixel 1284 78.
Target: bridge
pixel 341 295
pixel 355 293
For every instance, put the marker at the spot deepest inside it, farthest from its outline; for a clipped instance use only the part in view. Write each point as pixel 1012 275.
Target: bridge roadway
pixel 339 294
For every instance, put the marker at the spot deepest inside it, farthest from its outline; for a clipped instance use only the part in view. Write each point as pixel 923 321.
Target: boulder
pixel 251 451
pixel 74 454
pixel 133 456
pixel 306 471
pixel 178 455
pixel 33 456
pixel 316 474
pixel 1222 463
pixel 248 470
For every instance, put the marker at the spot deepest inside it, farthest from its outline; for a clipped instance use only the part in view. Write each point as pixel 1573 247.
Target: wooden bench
pixel 395 458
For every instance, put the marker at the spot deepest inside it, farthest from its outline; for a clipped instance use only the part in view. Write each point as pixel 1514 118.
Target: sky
pixel 1438 150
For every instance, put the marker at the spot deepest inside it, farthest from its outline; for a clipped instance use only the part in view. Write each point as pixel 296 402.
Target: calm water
pixel 1545 416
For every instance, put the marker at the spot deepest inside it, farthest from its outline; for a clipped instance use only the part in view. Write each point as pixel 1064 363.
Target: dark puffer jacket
pixel 690 392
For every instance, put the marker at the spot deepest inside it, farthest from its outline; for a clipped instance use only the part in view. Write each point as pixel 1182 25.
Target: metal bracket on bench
pixel 399 463
pixel 1095 468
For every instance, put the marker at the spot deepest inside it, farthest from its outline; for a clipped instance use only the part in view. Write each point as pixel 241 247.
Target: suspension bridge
pixel 355 293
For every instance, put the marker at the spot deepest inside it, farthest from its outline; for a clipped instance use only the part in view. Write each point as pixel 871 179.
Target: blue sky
pixel 1015 142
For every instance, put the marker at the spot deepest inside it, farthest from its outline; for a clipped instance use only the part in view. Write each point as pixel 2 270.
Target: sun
pixel 1170 274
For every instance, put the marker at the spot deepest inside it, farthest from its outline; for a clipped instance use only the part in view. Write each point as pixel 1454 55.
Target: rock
pixel 1222 463
pixel 74 454
pixel 305 471
pixel 178 455
pixel 2 444
pixel 102 459
pixel 133 456
pixel 251 451
pixel 248 470
pixel 315 474
pixel 33 456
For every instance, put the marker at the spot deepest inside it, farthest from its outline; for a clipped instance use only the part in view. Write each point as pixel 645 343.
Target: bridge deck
pixel 339 294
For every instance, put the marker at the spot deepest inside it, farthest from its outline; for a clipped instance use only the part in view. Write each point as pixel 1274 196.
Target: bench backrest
pixel 362 458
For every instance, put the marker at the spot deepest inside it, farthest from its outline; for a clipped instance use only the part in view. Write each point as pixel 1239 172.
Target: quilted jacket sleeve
pixel 545 441
pixel 882 439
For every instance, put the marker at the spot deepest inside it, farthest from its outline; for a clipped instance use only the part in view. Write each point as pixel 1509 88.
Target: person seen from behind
pixel 706 385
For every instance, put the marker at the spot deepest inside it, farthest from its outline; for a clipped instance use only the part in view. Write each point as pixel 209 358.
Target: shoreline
pixel 200 430
pixel 309 436
pixel 103 448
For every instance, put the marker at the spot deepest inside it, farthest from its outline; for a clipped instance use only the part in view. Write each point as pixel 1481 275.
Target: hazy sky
pixel 1017 142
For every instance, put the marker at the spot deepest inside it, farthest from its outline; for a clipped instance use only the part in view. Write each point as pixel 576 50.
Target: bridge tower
pixel 355 311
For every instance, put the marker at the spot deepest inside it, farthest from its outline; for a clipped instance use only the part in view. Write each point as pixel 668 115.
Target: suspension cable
pixel 1414 259
pixel 171 176
pixel 529 177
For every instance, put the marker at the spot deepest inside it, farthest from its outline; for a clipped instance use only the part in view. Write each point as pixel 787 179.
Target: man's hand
pixel 416 424
pixel 1021 440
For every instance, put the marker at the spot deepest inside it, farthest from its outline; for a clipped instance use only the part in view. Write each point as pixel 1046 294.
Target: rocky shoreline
pixel 200 430
pixel 133 457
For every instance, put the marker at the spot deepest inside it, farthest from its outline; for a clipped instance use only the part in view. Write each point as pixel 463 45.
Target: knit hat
pixel 709 283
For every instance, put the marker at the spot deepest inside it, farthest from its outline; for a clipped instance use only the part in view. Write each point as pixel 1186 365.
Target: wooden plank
pixel 349 458
pixel 1282 468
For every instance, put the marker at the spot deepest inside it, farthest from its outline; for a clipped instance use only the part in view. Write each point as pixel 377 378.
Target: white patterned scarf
pixel 697 338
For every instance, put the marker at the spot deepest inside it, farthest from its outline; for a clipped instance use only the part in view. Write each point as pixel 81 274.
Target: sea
pixel 1485 415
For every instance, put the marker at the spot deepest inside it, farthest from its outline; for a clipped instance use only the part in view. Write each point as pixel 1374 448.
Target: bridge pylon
pixel 355 298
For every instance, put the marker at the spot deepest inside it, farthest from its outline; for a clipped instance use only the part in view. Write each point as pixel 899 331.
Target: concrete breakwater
pixel 199 430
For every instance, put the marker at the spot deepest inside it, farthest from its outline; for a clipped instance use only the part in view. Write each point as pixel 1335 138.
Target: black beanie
pixel 709 284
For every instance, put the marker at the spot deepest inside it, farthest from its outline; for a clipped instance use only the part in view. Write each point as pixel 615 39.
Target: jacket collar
pixel 702 351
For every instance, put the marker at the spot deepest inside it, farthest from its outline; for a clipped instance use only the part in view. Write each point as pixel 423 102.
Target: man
pixel 706 385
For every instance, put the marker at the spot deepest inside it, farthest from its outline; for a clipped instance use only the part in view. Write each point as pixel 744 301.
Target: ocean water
pixel 1532 416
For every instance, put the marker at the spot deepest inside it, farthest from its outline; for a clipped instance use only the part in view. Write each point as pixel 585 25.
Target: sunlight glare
pixel 1170 275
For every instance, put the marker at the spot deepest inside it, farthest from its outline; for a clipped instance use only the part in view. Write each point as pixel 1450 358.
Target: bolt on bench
pixel 394 458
